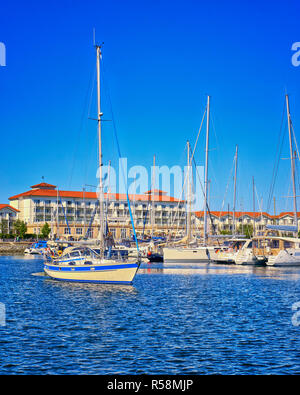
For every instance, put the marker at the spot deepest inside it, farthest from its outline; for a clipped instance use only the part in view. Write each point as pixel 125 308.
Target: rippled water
pixel 195 320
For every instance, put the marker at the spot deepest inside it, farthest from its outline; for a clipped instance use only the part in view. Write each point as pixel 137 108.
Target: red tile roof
pixel 2 206
pixel 249 213
pixel 43 185
pixel 237 214
pixel 93 195
pixel 156 191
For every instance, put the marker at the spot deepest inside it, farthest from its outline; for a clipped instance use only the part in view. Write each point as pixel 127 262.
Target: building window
pixel 67 231
pixel 79 231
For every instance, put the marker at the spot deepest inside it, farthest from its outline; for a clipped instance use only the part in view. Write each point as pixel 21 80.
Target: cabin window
pixel 287 244
pixel 74 254
pixel 274 244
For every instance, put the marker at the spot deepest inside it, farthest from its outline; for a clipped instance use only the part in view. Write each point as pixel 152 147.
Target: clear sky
pixel 161 59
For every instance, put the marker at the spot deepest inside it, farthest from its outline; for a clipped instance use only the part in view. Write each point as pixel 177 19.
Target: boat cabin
pixel 271 243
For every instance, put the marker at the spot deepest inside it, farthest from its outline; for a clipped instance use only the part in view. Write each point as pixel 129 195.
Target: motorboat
pixel 239 251
pixel 37 248
pixel 278 250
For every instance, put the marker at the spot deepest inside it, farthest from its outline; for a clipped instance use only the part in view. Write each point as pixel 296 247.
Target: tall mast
pixel 99 115
pixel 189 203
pixel 57 217
pixel 234 192
pixel 152 198
pixel 253 197
pixel 206 170
pixel 292 164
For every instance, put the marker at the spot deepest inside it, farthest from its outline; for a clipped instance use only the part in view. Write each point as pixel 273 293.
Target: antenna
pixel 94 40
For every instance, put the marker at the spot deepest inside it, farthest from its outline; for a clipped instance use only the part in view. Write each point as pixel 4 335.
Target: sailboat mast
pixel 152 198
pixel 292 164
pixel 253 197
pixel 189 204
pixel 206 171
pixel 234 192
pixel 99 115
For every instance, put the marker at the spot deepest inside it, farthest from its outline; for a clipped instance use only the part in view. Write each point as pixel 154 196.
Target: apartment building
pixel 224 220
pixel 8 216
pixel 76 213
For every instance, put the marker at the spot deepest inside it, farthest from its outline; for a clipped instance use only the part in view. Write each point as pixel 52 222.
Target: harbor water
pixel 199 319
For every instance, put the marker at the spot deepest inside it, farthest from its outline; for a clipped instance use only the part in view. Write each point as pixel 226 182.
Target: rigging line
pixel 276 173
pixel 90 159
pixel 196 142
pixel 295 141
pixel 214 129
pixel 207 206
pixel 122 169
pixel 287 197
pixel 90 87
pixel 258 202
pixel 297 174
pixel 277 159
pixel 186 175
pixel 189 164
pixel 179 215
pixel 181 193
pixel 63 209
pixel 227 187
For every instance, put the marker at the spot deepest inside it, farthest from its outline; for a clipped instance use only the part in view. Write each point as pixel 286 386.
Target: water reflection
pixel 193 319
pixel 278 273
pixel 100 289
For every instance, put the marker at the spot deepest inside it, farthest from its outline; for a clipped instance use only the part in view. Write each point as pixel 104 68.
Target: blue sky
pixel 161 59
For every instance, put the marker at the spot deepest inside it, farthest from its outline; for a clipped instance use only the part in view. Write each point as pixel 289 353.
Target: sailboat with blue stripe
pixel 95 264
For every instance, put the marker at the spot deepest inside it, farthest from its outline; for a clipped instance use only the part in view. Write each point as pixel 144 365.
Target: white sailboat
pixel 84 264
pixel 279 250
pixel 199 254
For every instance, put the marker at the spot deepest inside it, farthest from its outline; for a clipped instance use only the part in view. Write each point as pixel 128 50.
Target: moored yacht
pixel 84 264
pixel 239 252
pixel 278 250
pixel 103 265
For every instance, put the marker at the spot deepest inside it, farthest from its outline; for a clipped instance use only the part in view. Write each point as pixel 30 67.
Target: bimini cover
pixel 284 228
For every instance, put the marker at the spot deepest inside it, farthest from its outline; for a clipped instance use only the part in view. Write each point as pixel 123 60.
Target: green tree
pixel 246 230
pixel 20 228
pixel 3 226
pixel 45 231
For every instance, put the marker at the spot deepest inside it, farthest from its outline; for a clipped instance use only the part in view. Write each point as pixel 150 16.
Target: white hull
pixel 108 271
pixel 34 251
pixel 290 257
pixel 226 257
pixel 188 255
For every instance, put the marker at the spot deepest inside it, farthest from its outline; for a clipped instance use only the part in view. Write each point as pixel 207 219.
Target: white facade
pixel 8 216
